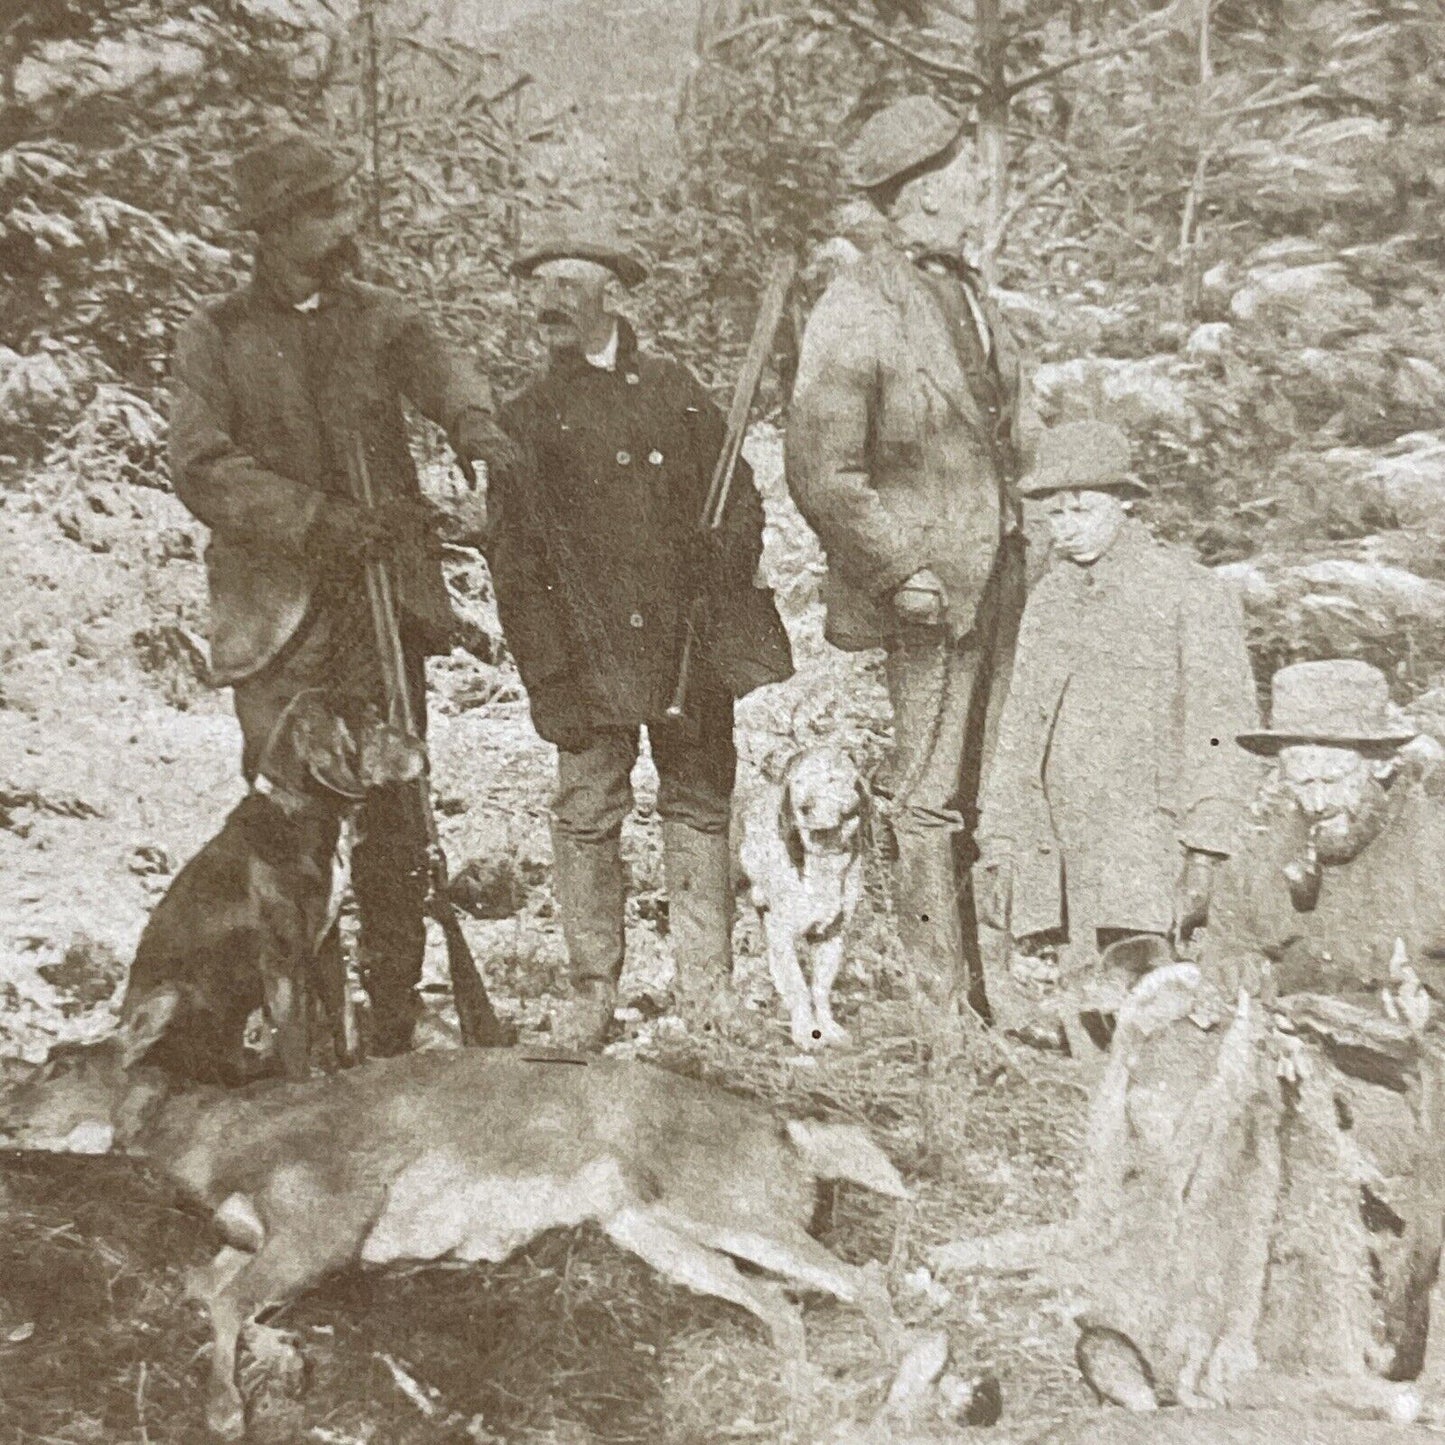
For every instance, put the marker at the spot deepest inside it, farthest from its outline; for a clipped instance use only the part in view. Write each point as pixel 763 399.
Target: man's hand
pixel 921 599
pixel 994 885
pixel 346 531
pixel 480 439
pixel 1192 892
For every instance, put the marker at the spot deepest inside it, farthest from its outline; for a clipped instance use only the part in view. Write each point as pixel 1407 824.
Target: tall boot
pixel 590 887
pixel 925 891
pixel 700 917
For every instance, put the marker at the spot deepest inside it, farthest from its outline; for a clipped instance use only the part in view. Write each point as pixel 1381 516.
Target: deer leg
pixel 210 1286
pixel 787 976
pixel 283 983
pixel 704 1270
pixel 827 961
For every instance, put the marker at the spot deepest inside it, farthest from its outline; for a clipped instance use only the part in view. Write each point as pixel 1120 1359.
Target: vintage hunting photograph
pixel 722 721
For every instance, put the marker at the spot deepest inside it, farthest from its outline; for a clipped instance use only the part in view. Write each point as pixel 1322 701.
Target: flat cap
pixel 1082 455
pixel 576 239
pixel 909 133
pixel 285 167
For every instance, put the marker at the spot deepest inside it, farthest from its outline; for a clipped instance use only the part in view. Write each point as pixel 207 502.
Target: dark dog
pixel 248 929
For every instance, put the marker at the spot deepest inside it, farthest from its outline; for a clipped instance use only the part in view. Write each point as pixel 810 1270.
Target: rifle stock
pixel 765 328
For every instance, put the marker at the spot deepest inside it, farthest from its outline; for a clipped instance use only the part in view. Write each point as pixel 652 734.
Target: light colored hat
pixel 284 168
pixel 1082 455
pixel 900 137
pixel 576 239
pixel 1341 704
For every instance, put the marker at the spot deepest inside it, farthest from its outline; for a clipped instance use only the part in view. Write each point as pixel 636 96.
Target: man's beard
pixel 1341 837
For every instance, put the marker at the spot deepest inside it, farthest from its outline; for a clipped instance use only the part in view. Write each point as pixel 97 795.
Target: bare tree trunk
pixel 371 107
pixel 1189 269
pixel 993 109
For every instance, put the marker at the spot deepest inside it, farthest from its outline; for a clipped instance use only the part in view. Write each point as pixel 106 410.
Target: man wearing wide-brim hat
pixel 1116 785
pixel 270 384
pixel 596 558
pixel 904 441
pixel 1339 868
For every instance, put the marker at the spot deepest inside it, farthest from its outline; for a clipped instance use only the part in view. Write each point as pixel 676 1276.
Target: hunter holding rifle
pixel 903 453
pixel 599 558
pixel 274 384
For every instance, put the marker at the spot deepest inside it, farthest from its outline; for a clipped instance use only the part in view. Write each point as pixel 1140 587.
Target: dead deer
pixel 466 1155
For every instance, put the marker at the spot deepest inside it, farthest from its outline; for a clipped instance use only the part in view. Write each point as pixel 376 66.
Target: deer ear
pixel 329 753
pixel 146 1026
pixel 787 818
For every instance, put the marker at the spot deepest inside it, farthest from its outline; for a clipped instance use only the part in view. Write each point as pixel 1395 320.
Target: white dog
pixel 802 853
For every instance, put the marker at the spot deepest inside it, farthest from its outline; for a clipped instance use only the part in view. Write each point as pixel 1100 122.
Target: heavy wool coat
pixel 1116 743
pixel 594 547
pixel 1344 944
pixel 265 396
pixel 888 448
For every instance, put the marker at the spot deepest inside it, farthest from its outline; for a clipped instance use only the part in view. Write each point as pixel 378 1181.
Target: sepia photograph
pixel 722 722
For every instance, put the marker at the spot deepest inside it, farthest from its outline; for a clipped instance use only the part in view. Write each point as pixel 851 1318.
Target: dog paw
pixel 832 1035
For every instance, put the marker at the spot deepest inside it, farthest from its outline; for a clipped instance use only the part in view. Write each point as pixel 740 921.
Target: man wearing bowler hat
pixel 1116 786
pixel 596 556
pixel 903 446
pixel 270 385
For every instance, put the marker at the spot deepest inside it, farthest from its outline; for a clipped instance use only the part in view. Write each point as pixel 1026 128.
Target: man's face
pixel 1341 794
pixel 933 209
pixel 320 231
pixel 1084 524
pixel 572 305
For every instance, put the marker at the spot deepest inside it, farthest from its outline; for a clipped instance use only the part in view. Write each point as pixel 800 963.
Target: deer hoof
pixel 226 1415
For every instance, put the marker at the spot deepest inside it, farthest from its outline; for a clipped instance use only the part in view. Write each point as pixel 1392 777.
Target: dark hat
pixel 1088 456
pixel 285 167
pixel 581 240
pixel 1342 703
pixel 900 137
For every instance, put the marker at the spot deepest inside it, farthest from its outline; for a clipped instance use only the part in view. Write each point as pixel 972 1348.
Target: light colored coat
pixel 887 448
pixel 1116 744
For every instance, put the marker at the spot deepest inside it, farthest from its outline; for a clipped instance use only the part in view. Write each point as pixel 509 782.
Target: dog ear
pixel 146 1025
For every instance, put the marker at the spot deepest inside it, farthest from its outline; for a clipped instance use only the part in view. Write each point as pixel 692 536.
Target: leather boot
pixel 698 867
pixel 925 892
pixel 590 887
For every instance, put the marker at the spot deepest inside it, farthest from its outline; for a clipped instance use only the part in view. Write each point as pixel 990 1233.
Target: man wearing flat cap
pixel 595 555
pixel 902 450
pixel 270 384
pixel 1115 786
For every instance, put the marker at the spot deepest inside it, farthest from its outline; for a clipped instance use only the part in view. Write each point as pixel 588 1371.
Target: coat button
pixel 655 457
pixel 636 619
pixel 623 458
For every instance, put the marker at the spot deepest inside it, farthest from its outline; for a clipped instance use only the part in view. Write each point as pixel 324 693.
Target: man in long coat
pixel 270 383
pixel 902 449
pixel 1115 786
pixel 596 556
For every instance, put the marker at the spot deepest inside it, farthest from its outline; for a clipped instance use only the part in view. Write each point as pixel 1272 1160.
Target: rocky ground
pixel 116 763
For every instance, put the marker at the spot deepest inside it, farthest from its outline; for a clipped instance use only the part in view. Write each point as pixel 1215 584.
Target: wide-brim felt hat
pixel 1091 456
pixel 1341 703
pixel 581 241
pixel 283 169
pixel 900 138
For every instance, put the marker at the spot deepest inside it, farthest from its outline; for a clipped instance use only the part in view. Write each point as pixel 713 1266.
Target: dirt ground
pixel 116 763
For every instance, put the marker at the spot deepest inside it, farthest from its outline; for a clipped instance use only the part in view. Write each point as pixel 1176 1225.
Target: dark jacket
pixel 594 553
pixel 265 396
pixel 888 441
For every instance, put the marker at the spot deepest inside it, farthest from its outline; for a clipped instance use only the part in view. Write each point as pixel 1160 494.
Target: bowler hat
pixel 1341 704
pixel 282 169
pixel 1088 456
pixel 581 240
pixel 900 137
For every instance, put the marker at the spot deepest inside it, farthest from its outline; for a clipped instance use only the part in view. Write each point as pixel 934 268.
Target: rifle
pixel 480 1025
pixel 714 508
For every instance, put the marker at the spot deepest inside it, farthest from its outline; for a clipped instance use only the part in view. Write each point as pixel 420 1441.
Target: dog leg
pixel 827 961
pixel 330 983
pixel 283 986
pixel 704 1270
pixel 787 976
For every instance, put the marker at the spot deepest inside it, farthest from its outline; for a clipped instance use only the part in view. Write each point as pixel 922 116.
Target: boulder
pixel 1309 304
pixel 1140 394
pixel 1406 481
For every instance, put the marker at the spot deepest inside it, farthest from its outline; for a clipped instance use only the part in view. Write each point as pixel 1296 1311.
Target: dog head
pixel 341 747
pixel 823 804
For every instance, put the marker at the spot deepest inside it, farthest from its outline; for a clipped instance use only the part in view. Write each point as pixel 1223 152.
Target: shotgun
pixel 770 315
pixel 479 1023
